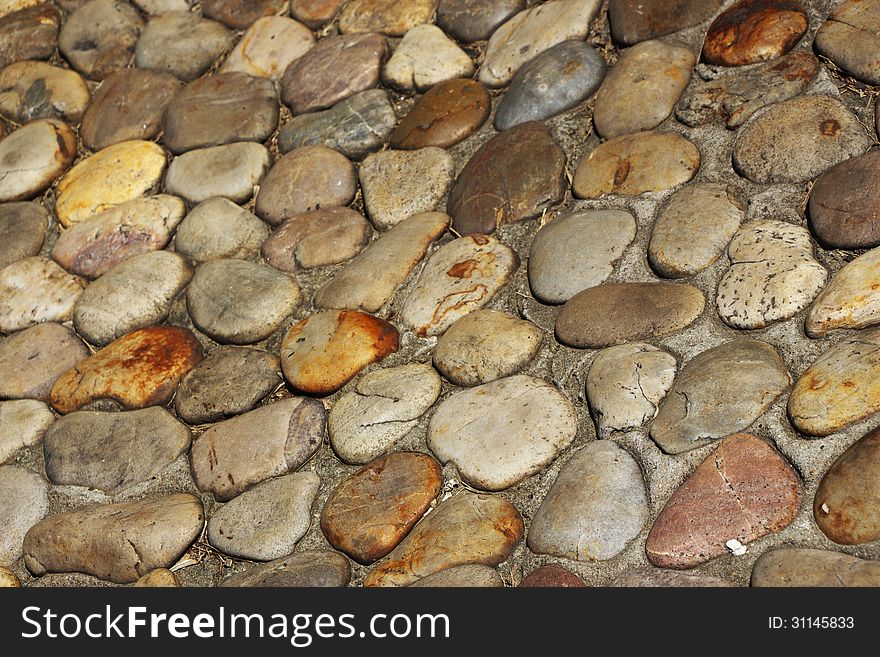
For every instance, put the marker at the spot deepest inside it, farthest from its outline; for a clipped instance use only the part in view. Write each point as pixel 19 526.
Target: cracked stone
pixel 384 406
pixel 719 392
pixel 596 506
pixel 744 490
pixel 500 433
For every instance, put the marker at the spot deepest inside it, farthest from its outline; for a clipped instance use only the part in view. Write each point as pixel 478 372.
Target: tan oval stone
pixel 466 529
pixel 118 173
pixel 841 387
pixel 32 360
pixel 813 568
pixel 139 369
pixel 159 578
pixel 95 245
pixel 743 491
pixel 32 157
pixel 35 290
pixel 37 90
pixel 322 353
pixel 269 46
pixel 642 88
pixel 635 164
pixel 302 569
pixel 116 542
pixel 372 510
pixel 848 498
pixel 462 276
pixel 851 300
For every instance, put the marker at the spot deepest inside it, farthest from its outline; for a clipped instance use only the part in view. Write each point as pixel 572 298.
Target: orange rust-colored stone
pixel 322 353
pixel 139 369
pixel 754 31
pixel 370 512
pixel 743 491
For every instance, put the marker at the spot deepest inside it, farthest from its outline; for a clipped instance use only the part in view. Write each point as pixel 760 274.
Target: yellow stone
pixel 117 174
pixel 8 579
pixel 159 578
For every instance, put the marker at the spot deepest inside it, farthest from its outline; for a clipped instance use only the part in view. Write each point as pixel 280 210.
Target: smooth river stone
pixel 372 510
pixel 33 157
pixel 734 98
pixel 22 424
pixel 32 360
pixel 232 171
pixel 399 184
pixel 500 433
pixel 218 228
pixel 743 491
pixel 796 140
pixel 466 576
pixel 250 310
pixel 614 313
pixel 719 392
pixel 317 239
pixel 313 82
pixel 221 109
pixel 661 578
pixel 844 205
pixel 754 31
pixel 269 46
pixel 323 352
pixel 182 44
pixel 227 459
pixel 851 300
pixel 466 529
pixel 384 406
pixel 29 34
pixel 551 576
pixel 848 497
pixel 355 126
pixel 840 388
pixel 35 290
pixel 475 20
pixel 22 231
pixel 460 277
pixel 116 542
pixel 239 14
pixel 130 104
pixel 139 369
pixel 631 165
pixel 636 20
pixel 315 13
pixel 370 280
pixel 447 114
pixel 95 245
pixel 303 569
pixel 596 506
pixel 694 228
pixel 229 382
pixel 99 37
pixel 576 251
pixel 135 294
pixel 516 175
pixel 484 346
pixel 113 451
pixel 642 88
pixel 773 275
pixel 814 568
pixel 306 179
pixel 553 82
pixel 531 32
pixel 391 17
pixel 267 521
pixel 25 503
pixel 159 578
pixel 117 174
pixel 850 38
pixel 37 90
pixel 625 385
pixel 425 57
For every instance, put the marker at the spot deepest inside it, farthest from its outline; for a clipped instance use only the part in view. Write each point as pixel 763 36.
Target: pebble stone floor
pixel 439 292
